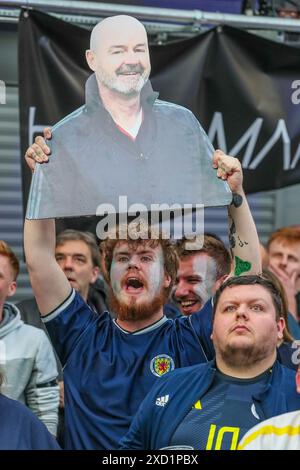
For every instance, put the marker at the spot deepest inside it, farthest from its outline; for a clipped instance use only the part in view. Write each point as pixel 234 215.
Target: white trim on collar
pixel 154 326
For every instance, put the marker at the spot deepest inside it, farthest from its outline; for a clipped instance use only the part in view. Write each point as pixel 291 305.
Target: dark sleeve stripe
pixel 47 384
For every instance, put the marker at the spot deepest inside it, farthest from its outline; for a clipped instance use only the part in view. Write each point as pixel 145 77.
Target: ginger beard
pixel 137 294
pixel 135 310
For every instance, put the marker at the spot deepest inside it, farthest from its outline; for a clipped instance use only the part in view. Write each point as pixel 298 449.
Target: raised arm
pixel 49 283
pixel 243 238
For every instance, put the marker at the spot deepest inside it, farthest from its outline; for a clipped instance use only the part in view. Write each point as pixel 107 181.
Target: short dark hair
pixel 86 237
pixel 213 247
pixel 251 280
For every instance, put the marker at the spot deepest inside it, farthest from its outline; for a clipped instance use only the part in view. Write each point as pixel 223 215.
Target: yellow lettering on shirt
pixel 220 435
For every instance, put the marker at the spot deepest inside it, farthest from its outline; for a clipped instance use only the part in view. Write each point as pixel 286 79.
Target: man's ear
pixel 95 274
pixel 220 281
pixel 12 288
pixel 167 280
pixel 298 380
pixel 280 327
pixel 91 59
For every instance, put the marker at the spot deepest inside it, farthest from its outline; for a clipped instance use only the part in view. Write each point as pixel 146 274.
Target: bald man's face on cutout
pixel 120 55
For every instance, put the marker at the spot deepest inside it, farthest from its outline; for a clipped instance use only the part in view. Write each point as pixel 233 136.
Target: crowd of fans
pixel 32 372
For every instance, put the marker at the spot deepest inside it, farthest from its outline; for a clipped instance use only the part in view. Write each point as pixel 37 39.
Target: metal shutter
pixel 263 210
pixel 11 212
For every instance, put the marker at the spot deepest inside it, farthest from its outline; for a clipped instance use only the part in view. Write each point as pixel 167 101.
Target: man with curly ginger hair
pixel 117 256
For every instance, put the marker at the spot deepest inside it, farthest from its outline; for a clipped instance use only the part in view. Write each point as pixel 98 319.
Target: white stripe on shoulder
pixel 142 331
pixel 60 308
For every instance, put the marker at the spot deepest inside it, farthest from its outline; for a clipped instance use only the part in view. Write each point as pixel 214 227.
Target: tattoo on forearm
pixel 232 231
pixel 237 200
pixel 232 236
pixel 241 266
pixel 242 243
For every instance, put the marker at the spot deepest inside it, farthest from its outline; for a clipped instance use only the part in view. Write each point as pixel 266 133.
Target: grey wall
pixel 288 205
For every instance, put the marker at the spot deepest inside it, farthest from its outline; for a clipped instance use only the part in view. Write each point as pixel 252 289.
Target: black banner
pixel 244 89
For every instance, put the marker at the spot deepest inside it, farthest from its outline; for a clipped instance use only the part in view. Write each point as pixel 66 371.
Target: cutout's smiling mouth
pixel 188 303
pixel 129 73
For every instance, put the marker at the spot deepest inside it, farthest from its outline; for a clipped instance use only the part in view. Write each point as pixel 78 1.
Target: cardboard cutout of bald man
pixel 124 141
